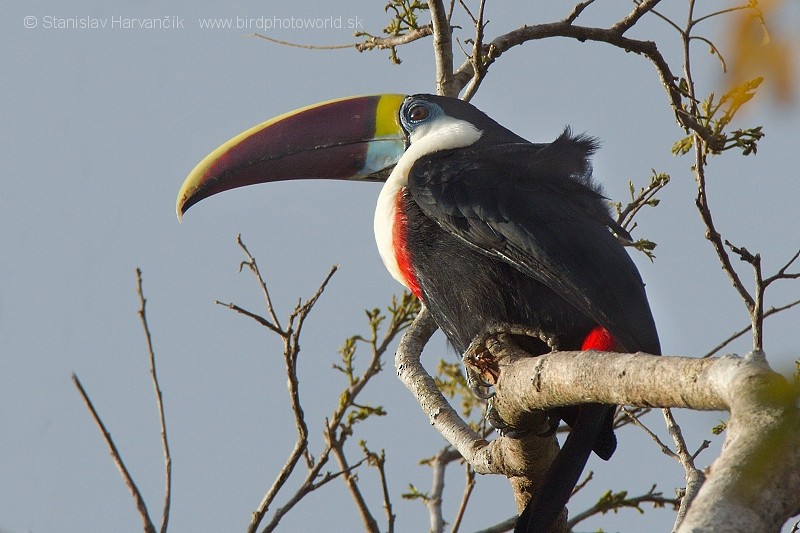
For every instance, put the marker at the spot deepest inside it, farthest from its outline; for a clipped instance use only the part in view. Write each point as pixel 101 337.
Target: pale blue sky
pixel 100 126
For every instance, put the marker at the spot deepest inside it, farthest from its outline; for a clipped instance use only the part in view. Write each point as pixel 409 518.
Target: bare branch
pixel 400 312
pixel 577 10
pixel 469 484
pixel 253 266
pixel 258 318
pixel 373 42
pixel 160 403
pixel 115 455
pixel 337 446
pixel 666 450
pixel 693 475
pixel 782 272
pixel 712 235
pixel 305 46
pixel 523 460
pixel 442 49
pixel 506 525
pixel 291 350
pixel 613 36
pixel 769 312
pixel 380 464
pixel 616 501
pixel 478 66
pixel 434 501
pixel 633 17
pixel 763 421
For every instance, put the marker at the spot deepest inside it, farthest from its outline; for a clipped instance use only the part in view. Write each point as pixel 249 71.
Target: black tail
pixel 543 510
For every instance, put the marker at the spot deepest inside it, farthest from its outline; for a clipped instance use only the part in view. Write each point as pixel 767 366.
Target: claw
pixel 477 385
pixel 505 429
pixel 552 427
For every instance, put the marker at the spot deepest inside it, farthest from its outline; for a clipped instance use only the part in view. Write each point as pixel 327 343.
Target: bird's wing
pixel 534 207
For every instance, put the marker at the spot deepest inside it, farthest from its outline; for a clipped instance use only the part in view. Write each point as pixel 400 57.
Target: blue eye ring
pixel 418 112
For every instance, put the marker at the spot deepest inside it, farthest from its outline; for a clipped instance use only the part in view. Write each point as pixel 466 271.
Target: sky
pixel 99 127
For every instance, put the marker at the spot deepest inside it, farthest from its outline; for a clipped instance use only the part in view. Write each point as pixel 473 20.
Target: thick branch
pixel 442 49
pixel 748 489
pixel 569 378
pixel 746 481
pixel 524 461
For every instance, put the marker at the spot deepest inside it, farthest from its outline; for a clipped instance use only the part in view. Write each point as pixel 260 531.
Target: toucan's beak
pixel 349 138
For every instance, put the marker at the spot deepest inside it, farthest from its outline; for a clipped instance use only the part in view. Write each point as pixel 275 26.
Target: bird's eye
pixel 418 113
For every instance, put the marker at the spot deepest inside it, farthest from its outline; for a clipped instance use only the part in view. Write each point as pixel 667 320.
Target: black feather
pixel 519 234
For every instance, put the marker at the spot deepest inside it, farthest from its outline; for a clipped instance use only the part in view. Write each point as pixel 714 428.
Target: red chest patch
pixel 400 244
pixel 599 339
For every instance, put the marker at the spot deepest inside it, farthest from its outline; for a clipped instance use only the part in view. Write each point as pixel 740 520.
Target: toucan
pixel 490 231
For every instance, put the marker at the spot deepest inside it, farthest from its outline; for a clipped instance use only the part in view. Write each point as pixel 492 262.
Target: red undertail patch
pixel 400 244
pixel 599 339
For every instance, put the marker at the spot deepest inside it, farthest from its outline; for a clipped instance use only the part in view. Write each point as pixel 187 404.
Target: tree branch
pixel 613 36
pixel 141 506
pixel 523 461
pixel 761 403
pixel 620 500
pixel 442 49
pixel 769 312
pixel 160 404
pixel 337 446
pixel 745 482
pixel 469 484
pixel 373 42
pixel 693 475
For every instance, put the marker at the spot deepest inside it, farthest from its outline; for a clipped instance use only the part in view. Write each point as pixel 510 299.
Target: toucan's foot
pixel 478 363
pixel 505 429
pixel 552 426
pixel 477 384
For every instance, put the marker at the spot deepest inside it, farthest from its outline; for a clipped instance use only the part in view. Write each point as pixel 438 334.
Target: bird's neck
pixel 386 223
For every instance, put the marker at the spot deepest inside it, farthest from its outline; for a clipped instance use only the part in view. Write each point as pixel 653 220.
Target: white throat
pixel 445 133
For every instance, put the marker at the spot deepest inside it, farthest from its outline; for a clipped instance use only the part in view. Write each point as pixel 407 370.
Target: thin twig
pixel 255 316
pixel 782 272
pixel 633 17
pixel 626 215
pixel 115 455
pixel 337 447
pixel 373 42
pixel 577 10
pixel 380 464
pixel 693 475
pixel 314 479
pixel 305 46
pixel 664 448
pixel 479 68
pixel 769 312
pixel 583 483
pixel 613 36
pixel 434 501
pixel 506 525
pixel 253 266
pixel 615 501
pixel 469 484
pixel 159 402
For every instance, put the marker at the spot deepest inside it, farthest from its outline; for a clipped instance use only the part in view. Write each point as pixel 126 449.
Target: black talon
pixel 552 427
pixel 505 429
pixel 478 386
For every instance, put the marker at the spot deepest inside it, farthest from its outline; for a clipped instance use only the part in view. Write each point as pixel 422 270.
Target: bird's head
pixel 358 138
